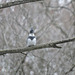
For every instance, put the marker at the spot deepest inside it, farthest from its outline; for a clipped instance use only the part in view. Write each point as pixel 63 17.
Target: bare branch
pixel 71 69
pixel 65 41
pixel 9 4
pixel 22 61
pixel 47 45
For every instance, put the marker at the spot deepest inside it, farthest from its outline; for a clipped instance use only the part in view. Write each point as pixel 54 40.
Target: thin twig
pixel 22 61
pixel 71 69
pixel 9 4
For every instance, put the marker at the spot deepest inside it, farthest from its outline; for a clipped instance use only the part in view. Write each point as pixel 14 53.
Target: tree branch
pixel 21 63
pixel 9 4
pixel 71 69
pixel 47 45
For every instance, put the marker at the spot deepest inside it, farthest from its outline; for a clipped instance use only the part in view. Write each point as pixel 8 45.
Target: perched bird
pixel 31 40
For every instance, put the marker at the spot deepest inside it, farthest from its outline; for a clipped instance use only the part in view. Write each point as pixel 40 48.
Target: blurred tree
pixel 52 20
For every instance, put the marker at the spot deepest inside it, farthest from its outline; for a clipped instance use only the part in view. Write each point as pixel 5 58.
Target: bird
pixel 31 40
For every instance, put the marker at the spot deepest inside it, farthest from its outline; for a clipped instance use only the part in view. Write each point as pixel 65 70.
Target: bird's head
pixel 31 31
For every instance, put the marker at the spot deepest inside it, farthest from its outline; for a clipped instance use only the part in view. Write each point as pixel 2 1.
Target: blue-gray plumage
pixel 31 31
pixel 31 41
pixel 31 37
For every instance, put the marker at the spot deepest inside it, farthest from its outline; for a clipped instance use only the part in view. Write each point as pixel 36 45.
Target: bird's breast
pixel 31 37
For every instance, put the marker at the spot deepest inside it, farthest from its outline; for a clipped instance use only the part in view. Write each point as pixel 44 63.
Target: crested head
pixel 31 31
